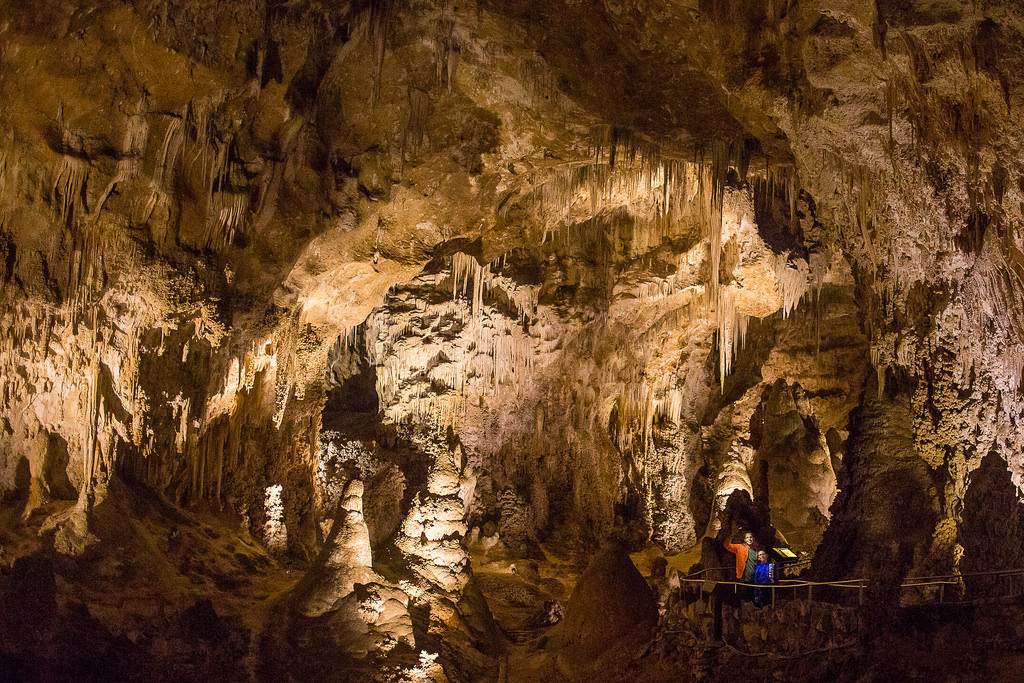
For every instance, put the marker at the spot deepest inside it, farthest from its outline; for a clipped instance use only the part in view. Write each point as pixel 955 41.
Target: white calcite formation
pixel 347 559
pixel 431 535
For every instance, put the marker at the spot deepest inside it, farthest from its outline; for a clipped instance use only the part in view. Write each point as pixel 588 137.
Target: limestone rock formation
pixel 341 612
pixel 611 604
pixel 431 535
pixel 793 458
pixel 336 337
pixel 347 559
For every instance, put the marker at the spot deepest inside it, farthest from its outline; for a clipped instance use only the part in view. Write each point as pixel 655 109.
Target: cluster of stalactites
pixel 666 196
pixel 496 335
pixel 793 282
pixel 74 353
pixel 211 443
pixel 732 331
pixel 795 278
pixel 639 407
pixel 431 358
pixel 576 193
pixel 861 183
pixel 48 349
pixel 269 376
pixel 70 180
pixel 776 180
pixel 466 272
pixel 190 147
pixel 983 327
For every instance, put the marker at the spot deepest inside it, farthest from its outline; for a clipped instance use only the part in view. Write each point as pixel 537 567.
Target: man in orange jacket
pixel 746 558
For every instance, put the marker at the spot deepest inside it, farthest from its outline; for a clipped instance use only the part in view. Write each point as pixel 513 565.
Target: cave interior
pixel 426 340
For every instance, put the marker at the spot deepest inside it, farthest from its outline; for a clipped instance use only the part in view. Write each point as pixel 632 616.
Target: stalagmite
pixel 348 559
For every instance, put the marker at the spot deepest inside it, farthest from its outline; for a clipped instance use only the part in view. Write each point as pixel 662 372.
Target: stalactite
pixel 445 47
pixel 715 177
pixel 133 145
pixel 231 217
pixel 378 20
pixel 635 415
pixel 732 332
pixel 69 184
pixel 5 165
pixel 1014 367
pixel 416 124
pixel 624 171
pixel 170 150
pixel 793 282
pixel 861 184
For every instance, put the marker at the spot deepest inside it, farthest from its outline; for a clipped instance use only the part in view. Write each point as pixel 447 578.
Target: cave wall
pixel 191 218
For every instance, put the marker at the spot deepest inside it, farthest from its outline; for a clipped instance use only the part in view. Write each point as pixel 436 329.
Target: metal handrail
pixel 732 568
pixel 860 583
pixel 709 569
pixel 785 583
pixel 995 572
pixel 911 582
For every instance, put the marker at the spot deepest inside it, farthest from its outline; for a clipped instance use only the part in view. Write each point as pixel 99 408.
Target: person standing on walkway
pixel 764 574
pixel 746 559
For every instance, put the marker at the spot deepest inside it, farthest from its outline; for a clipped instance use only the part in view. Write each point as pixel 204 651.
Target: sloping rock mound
pixel 610 613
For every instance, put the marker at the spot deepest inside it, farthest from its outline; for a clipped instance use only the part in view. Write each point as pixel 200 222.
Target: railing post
pixel 942 590
pixel 860 594
pixel 716 619
pixel 810 593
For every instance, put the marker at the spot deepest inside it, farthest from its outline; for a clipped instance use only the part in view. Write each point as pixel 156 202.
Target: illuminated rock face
pixel 318 287
pixel 431 535
pixel 794 458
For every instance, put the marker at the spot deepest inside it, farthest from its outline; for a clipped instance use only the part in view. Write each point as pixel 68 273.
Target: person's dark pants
pixel 747 592
pixel 730 595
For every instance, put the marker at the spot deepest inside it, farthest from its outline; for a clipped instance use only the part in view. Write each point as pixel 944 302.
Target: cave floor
pixel 517 588
pixel 154 576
